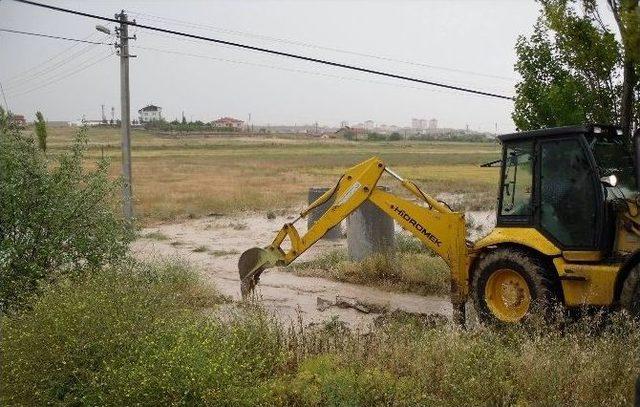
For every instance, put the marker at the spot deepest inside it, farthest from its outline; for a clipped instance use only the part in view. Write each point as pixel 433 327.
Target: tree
pixel 572 67
pixel 55 220
pixel 627 16
pixel 41 131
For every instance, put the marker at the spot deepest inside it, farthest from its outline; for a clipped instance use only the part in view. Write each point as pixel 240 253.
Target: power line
pixel 280 68
pixel 315 46
pixel 51 58
pixel 58 79
pixel 51 36
pixel 50 69
pixel 271 51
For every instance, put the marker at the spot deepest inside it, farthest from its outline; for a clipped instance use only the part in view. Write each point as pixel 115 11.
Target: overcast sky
pixel 474 40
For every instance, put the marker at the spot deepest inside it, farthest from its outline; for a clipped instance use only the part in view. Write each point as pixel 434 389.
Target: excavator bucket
pixel 251 264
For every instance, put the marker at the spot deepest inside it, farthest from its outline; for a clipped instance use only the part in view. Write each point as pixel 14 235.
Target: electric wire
pixel 398 84
pixel 50 70
pixel 52 58
pixel 7 30
pixel 60 78
pixel 280 68
pixel 314 46
pixel 271 51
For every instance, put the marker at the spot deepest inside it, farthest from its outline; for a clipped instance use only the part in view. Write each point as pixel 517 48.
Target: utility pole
pixel 123 51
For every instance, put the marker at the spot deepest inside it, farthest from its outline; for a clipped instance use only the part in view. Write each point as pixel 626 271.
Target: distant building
pixel 228 122
pixel 433 124
pixel 351 133
pixel 419 124
pixel 369 125
pixel 150 113
pixel 17 119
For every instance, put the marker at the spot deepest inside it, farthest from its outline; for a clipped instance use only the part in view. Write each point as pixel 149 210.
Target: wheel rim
pixel 507 295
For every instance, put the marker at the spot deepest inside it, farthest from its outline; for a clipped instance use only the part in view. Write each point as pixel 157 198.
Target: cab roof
pixel 555 131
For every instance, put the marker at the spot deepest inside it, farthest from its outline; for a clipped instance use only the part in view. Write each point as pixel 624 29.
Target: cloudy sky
pixel 467 43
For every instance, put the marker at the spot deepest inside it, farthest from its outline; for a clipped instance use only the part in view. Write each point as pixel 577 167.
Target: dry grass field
pixel 195 175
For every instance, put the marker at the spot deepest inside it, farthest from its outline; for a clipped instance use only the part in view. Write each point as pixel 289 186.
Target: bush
pixel 56 217
pixel 376 137
pixel 136 336
pixel 395 136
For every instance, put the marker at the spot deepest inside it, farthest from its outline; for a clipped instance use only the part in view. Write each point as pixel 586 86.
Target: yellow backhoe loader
pixel 567 229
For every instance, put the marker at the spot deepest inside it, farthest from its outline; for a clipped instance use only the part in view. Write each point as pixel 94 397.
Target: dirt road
pixel 213 245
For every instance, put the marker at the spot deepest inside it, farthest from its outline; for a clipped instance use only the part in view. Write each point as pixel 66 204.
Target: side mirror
pixel 609 180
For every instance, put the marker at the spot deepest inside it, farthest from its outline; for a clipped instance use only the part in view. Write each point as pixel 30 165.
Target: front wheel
pixel 510 285
pixel 630 295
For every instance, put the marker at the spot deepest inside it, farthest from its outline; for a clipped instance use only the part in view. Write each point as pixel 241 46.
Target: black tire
pixel 630 295
pixel 541 287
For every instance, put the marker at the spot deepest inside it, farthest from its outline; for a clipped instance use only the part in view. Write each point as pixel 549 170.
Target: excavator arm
pixel 432 222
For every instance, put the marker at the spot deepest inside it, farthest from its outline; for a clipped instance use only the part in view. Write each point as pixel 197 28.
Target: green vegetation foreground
pixel 146 335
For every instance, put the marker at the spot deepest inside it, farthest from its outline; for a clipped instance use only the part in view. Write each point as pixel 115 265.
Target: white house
pixel 150 113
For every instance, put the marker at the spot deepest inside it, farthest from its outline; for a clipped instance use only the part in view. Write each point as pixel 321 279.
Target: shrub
pixel 395 136
pixel 136 336
pixel 56 217
pixel 376 137
pixel 41 131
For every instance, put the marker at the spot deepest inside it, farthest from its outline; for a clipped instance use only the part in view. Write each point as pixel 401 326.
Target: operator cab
pixel 564 182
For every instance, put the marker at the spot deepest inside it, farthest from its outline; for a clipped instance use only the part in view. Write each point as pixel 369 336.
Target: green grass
pixel 221 253
pixel 156 236
pixel 411 268
pixel 149 335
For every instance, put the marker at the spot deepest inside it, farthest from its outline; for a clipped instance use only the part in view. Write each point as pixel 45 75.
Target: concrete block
pixel 315 193
pixel 369 231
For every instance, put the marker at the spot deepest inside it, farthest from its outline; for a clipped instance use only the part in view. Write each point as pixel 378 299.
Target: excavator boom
pixel 432 222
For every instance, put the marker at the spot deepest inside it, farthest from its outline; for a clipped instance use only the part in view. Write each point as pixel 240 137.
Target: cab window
pixel 517 180
pixel 567 193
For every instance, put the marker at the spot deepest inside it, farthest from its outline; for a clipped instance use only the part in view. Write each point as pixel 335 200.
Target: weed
pixel 156 236
pixel 403 271
pixel 238 225
pixel 221 253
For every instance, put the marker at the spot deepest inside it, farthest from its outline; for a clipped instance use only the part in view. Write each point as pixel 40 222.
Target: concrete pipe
pixel 369 231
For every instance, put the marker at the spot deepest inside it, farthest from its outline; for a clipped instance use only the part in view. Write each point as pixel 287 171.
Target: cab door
pixel 515 207
pixel 570 197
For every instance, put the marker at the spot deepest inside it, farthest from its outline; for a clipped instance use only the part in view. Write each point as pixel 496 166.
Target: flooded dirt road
pixel 212 245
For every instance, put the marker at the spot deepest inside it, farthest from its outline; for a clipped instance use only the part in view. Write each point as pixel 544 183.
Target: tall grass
pixel 151 335
pixel 411 268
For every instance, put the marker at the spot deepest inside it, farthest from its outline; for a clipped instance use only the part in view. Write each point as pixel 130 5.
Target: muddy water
pixel 213 244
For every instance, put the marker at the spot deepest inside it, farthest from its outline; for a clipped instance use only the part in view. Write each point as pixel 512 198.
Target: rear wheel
pixel 630 295
pixel 509 286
